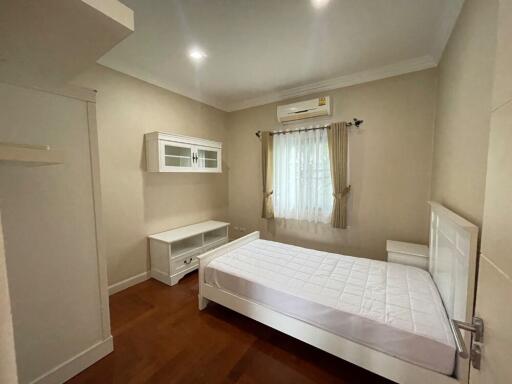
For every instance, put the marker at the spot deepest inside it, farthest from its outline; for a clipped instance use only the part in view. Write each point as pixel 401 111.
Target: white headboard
pixel 453 258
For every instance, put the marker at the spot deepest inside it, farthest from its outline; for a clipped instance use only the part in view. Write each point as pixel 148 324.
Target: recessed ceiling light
pixel 196 54
pixel 319 3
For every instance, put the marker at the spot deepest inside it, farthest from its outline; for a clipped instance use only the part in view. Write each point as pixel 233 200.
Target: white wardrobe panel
pixel 7 354
pixel 49 230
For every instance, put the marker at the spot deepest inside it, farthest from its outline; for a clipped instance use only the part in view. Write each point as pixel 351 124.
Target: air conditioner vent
pixel 320 106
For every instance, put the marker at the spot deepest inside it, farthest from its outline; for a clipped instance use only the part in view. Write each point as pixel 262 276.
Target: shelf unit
pixel 174 253
pixel 29 155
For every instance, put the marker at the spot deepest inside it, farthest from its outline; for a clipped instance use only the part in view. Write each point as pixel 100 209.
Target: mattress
pixel 392 308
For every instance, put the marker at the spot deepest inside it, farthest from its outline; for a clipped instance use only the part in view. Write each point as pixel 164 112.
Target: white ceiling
pixel 262 51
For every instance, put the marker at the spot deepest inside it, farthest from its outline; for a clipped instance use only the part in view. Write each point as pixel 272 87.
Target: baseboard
pixel 171 280
pixel 160 276
pixel 76 364
pixel 118 287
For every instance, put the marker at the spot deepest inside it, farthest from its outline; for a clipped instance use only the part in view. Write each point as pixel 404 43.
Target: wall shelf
pixel 29 155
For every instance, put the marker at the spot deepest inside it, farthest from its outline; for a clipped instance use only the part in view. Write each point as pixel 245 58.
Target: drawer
pixel 182 263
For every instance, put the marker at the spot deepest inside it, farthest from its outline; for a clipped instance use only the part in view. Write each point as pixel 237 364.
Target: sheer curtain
pixel 302 176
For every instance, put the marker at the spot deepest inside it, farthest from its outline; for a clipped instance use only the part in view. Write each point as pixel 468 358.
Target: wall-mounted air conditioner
pixel 320 106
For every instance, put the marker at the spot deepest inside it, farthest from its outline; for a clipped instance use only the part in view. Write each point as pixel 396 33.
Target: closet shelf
pixel 29 155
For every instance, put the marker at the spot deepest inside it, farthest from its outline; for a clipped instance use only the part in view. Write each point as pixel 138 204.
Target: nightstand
pixel 415 255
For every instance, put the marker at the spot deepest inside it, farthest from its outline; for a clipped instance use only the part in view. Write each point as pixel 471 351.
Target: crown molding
pixel 146 76
pixel 400 68
pixel 445 28
pixel 68 90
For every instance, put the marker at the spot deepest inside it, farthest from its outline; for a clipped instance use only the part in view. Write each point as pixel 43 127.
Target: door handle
pixel 476 327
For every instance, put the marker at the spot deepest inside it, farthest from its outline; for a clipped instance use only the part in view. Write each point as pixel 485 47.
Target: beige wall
pixel 50 233
pixel 466 74
pixel 8 372
pixel 137 203
pixel 390 166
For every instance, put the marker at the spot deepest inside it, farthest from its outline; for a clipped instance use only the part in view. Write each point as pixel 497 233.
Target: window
pixel 302 176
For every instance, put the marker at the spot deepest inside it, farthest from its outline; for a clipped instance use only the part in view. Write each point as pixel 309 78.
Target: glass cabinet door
pixel 177 156
pixel 208 159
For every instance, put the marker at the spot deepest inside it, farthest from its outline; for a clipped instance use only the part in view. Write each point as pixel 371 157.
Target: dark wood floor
pixel 161 337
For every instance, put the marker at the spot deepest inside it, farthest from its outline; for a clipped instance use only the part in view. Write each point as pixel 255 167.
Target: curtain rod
pixel 355 123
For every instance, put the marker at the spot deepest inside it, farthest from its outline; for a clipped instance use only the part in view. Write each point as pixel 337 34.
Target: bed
pixel 388 318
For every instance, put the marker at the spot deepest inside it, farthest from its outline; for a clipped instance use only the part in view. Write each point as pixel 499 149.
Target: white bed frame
pixel 453 243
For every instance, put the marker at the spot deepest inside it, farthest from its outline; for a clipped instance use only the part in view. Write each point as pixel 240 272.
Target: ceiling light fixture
pixel 319 3
pixel 196 54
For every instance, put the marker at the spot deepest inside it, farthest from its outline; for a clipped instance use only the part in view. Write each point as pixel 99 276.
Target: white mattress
pixel 389 307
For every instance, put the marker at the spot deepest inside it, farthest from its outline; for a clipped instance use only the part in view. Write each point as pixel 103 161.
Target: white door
pixel 176 157
pixel 208 159
pixel 494 291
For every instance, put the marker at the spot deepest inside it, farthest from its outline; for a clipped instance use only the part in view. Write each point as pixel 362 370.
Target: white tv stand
pixel 174 253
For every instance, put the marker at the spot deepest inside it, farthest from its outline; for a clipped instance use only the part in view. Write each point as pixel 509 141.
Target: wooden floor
pixel 161 337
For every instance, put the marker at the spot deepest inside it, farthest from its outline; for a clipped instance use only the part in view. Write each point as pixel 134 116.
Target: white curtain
pixel 302 176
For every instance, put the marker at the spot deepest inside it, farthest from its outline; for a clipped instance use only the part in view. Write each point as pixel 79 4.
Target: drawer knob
pixel 187 261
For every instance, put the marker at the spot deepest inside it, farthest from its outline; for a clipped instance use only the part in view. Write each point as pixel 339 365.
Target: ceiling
pixel 261 51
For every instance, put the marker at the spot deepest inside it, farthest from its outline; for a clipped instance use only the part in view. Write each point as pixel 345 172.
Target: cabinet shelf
pixel 183 251
pixel 29 155
pixel 178 157
pixel 215 235
pixel 212 240
pixel 186 245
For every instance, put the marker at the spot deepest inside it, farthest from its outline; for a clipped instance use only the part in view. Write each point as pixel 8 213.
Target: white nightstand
pixel 412 254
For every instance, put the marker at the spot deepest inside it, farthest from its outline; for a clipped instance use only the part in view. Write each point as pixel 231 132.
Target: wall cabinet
pixel 176 153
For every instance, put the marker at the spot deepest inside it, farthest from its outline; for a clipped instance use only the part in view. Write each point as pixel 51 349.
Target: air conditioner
pixel 320 106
